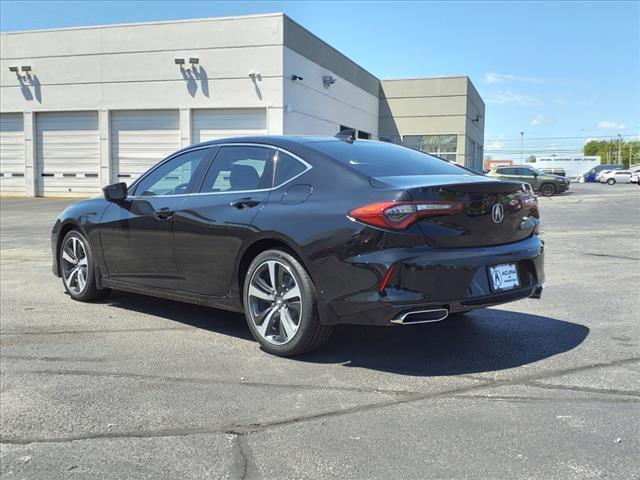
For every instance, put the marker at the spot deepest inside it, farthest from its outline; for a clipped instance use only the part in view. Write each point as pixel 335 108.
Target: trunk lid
pixel 493 211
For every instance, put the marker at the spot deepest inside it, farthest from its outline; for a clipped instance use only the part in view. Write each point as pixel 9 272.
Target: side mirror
pixel 116 192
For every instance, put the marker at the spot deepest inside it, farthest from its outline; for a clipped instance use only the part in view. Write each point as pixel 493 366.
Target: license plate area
pixel 504 277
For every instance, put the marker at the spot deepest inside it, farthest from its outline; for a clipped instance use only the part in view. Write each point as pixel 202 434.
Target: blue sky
pixel 555 70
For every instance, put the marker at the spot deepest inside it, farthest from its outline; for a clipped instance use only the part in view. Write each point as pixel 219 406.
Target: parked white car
pixel 635 178
pixel 601 174
pixel 616 176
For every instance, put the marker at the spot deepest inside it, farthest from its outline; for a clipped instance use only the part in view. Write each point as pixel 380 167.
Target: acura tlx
pixel 304 233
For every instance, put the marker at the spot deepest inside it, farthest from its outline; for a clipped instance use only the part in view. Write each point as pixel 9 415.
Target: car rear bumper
pixel 424 278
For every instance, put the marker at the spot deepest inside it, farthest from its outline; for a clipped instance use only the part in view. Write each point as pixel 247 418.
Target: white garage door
pixel 211 124
pixel 11 154
pixel 140 139
pixel 68 153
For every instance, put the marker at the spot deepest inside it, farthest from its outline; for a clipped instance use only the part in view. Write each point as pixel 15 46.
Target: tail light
pixel 400 215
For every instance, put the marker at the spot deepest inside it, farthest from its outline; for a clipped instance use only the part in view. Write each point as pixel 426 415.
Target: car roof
pixel 282 141
pixel 275 140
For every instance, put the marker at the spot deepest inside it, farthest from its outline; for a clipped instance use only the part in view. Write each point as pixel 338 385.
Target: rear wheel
pixel 547 189
pixel 280 304
pixel 611 181
pixel 77 268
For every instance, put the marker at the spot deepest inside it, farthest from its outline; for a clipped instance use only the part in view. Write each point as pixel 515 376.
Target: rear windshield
pixel 380 159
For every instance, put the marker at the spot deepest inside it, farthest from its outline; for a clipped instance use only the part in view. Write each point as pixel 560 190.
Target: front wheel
pixel 280 304
pixel 78 269
pixel 548 189
pixel 611 181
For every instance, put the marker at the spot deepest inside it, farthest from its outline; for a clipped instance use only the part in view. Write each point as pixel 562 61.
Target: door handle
pixel 245 202
pixel 163 214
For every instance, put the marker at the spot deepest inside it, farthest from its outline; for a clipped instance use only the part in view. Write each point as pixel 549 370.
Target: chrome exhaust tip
pixel 537 292
pixel 421 316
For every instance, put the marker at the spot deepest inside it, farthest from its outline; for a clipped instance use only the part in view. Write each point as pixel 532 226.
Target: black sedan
pixel 302 234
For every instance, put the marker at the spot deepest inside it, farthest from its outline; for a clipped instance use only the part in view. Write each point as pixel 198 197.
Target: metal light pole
pixel 521 143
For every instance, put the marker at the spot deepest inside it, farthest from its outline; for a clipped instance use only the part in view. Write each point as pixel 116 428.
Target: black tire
pixel 611 181
pixel 90 291
pixel 310 334
pixel 547 189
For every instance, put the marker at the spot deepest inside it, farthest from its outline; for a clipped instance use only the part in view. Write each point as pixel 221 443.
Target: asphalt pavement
pixel 136 387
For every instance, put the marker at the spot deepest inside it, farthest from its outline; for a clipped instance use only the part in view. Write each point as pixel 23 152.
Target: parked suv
pixel 546 183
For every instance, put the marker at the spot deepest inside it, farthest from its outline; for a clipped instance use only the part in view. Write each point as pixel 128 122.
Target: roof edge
pixel 138 24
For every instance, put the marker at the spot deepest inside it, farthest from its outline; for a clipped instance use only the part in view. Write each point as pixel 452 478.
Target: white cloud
pixel 611 125
pixel 507 97
pixel 540 120
pixel 492 77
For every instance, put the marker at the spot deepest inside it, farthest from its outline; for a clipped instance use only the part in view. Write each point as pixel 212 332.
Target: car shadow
pixel 481 341
pixel 205 318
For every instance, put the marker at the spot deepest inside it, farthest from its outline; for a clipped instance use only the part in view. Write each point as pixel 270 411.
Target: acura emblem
pixel 497 213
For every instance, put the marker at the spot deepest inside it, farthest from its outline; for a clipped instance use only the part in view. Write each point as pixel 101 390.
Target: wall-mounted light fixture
pixel 328 80
pixel 26 68
pixel 296 77
pixel 194 60
pixel 13 68
pixel 255 76
pixel 178 61
pixel 477 118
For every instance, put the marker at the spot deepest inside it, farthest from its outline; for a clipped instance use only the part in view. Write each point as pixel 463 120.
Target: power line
pixel 586 137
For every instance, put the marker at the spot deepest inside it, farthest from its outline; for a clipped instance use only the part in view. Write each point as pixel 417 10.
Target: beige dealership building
pixel 84 107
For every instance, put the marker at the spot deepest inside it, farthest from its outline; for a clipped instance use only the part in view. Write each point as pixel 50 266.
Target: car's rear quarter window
pixel 379 159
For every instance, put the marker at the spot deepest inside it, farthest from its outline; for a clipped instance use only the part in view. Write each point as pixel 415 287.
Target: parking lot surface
pixel 136 387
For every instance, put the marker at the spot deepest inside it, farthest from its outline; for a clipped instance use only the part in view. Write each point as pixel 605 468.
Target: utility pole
pixel 521 143
pixel 620 149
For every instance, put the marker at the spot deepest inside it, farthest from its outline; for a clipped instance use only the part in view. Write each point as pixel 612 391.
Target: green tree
pixel 531 159
pixel 608 151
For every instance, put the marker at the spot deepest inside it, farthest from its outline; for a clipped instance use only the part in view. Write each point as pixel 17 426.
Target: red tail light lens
pixel 400 215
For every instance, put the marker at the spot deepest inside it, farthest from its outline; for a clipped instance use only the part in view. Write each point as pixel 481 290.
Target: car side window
pixel 239 168
pixel 507 171
pixel 174 177
pixel 525 172
pixel 287 168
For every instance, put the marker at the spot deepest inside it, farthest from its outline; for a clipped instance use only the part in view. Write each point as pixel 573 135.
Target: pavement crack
pixel 53 359
pixel 527 399
pixel 607 255
pixel 239 458
pixel 210 381
pixel 242 457
pixel 256 427
pixel 78 332
pixel 578 388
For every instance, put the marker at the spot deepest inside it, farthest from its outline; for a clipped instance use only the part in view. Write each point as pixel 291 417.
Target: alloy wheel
pixel 75 265
pixel 548 190
pixel 274 302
